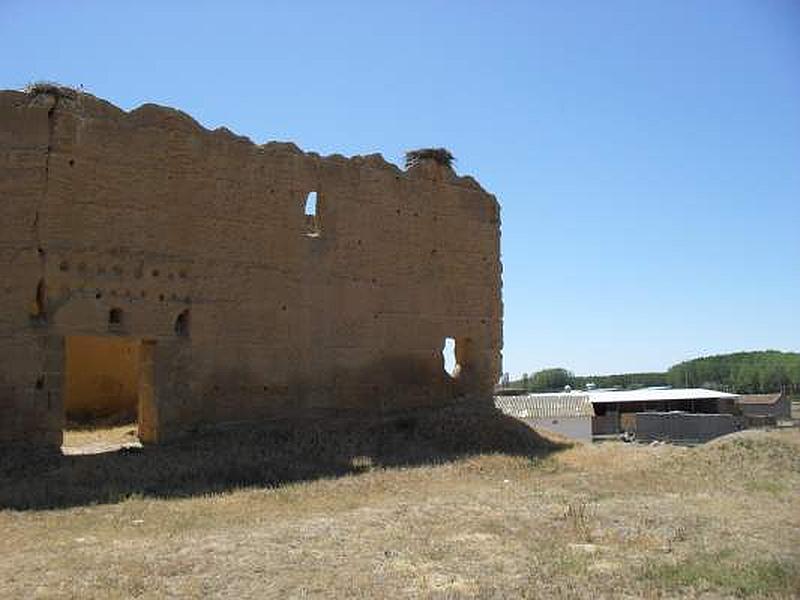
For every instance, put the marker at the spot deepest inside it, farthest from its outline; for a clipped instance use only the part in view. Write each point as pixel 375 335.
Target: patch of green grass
pixel 718 572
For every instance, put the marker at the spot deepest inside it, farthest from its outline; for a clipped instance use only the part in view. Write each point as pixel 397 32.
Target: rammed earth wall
pixel 145 226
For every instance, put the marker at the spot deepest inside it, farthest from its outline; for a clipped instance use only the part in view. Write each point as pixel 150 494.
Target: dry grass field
pixel 597 521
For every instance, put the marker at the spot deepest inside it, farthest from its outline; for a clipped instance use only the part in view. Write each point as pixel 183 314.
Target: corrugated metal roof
pixel 760 398
pixel 658 395
pixel 545 406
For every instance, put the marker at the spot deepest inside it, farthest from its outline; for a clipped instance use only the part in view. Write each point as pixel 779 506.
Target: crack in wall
pixel 41 302
pixel 37 219
pixel 51 127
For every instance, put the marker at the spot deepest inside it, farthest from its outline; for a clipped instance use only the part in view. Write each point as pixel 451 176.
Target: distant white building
pixel 567 414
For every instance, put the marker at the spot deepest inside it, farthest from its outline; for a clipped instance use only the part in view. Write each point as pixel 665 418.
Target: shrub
pixel 440 155
pixel 50 87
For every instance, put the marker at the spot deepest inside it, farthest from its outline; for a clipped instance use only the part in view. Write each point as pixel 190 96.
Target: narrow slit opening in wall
pixel 311 204
pixel 39 308
pixel 449 356
pixel 107 388
pixel 312 220
pixel 182 324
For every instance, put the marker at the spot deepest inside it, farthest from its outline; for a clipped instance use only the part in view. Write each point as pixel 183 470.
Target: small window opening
pixel 182 324
pixel 312 221
pixel 449 356
pixel 115 316
pixel 39 308
pixel 311 204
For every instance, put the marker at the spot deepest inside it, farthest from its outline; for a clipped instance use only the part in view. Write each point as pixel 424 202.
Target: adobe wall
pixel 148 213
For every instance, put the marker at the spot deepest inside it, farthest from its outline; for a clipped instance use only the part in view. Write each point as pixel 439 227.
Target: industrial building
pixel 615 411
pixel 764 409
pixel 688 415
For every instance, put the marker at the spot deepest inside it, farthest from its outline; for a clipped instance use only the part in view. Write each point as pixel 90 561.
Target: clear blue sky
pixel 646 154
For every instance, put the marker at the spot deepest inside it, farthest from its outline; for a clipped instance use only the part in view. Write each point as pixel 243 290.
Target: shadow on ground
pixel 264 456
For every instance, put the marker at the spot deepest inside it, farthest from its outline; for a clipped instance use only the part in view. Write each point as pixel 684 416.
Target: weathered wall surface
pixel 150 215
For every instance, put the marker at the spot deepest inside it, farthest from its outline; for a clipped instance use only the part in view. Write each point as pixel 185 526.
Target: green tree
pixel 549 380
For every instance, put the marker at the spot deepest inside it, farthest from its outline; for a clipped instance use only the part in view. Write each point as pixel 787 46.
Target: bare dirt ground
pixel 96 441
pixel 601 521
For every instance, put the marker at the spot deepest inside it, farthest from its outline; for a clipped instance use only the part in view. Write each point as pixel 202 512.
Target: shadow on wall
pixel 265 456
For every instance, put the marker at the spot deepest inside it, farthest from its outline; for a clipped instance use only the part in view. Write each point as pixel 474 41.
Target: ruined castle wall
pixel 27 410
pixel 150 215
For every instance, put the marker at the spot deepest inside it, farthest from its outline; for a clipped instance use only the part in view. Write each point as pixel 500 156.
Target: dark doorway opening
pixel 107 392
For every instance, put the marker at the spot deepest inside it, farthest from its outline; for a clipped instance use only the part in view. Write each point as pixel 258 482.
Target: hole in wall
pixel 311 204
pixel 449 356
pixel 107 382
pixel 41 295
pixel 115 316
pixel 39 308
pixel 313 226
pixel 182 324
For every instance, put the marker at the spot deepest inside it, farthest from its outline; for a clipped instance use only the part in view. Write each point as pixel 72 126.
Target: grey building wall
pixel 780 409
pixel 577 428
pixel 684 427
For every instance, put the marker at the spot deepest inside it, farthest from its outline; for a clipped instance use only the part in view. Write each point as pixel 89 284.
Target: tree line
pixel 741 373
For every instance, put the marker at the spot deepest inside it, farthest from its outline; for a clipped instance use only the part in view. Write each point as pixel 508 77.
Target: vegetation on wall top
pixel 50 87
pixel 440 155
